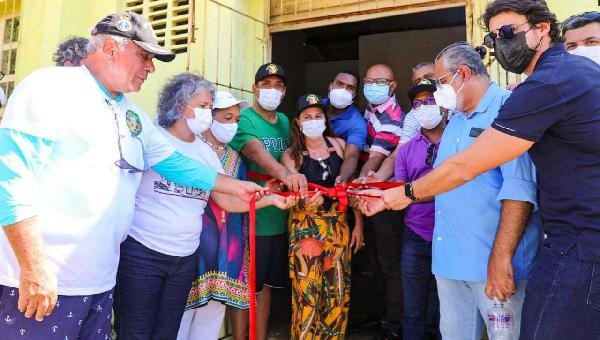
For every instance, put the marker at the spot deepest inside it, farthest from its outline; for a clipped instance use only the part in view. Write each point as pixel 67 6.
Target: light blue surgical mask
pixel 376 94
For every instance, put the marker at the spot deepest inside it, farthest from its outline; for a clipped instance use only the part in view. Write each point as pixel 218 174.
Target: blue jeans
pixel 563 297
pixel 421 305
pixel 151 292
pixel 464 305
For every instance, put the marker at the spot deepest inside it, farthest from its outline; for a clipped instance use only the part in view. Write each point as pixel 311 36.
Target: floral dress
pixel 319 259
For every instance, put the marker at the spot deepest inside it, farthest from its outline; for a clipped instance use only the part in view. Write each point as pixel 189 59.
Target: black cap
pixel 422 86
pixel 269 69
pixel 309 100
pixel 135 27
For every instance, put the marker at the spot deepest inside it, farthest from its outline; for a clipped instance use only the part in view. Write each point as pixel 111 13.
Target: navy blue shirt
pixel 558 108
pixel 349 125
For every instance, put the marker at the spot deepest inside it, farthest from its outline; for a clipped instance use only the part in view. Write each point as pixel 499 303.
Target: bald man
pixel 410 126
pixel 384 127
pixel 383 115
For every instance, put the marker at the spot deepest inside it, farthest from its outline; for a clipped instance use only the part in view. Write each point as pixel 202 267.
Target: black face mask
pixel 513 54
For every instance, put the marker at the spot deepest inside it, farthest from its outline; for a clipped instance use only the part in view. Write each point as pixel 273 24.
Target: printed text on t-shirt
pixel 167 187
pixel 274 144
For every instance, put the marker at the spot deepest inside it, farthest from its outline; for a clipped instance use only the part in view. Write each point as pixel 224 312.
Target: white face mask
pixel 201 121
pixel 429 116
pixel 446 97
pixel 224 133
pixel 590 52
pixel 313 128
pixel 340 98
pixel 269 99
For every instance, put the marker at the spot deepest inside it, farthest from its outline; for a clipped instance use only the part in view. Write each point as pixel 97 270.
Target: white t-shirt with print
pixel 84 202
pixel 167 216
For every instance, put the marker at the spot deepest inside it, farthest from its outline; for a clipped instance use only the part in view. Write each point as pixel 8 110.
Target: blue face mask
pixel 376 94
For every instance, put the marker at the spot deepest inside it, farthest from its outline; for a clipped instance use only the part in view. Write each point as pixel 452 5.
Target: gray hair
pixel 176 93
pixel 423 64
pixel 461 53
pixel 72 50
pixel 97 40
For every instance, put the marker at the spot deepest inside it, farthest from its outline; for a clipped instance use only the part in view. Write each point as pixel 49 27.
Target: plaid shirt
pixel 384 126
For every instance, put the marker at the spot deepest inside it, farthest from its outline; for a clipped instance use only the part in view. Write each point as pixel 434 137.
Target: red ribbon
pixel 252 269
pixel 338 192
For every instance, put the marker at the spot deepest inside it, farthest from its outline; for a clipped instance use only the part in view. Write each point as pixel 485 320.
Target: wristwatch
pixel 408 192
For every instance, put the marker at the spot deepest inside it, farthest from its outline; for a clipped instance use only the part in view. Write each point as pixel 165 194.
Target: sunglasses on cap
pixel 416 103
pixel 579 20
pixel 326 169
pixel 505 32
pixel 431 154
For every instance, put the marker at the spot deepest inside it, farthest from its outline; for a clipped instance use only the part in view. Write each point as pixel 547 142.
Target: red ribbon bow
pixel 338 192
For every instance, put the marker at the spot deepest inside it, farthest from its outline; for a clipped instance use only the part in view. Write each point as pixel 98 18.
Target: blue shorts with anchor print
pixel 75 317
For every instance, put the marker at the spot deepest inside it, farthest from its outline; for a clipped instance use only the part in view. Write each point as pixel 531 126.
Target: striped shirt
pixel 410 127
pixel 384 126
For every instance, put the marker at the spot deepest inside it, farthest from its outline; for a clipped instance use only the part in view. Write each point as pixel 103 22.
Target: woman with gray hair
pixel 70 52
pixel 160 255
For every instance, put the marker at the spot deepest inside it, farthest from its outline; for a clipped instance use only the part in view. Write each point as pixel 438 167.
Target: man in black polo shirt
pixel 555 115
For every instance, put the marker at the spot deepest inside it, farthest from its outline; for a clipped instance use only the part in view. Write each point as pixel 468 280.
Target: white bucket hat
pixel 224 99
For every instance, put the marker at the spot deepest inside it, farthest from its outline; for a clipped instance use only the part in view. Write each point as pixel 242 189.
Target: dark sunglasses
pixel 431 154
pixel 579 20
pixel 121 163
pixel 416 103
pixel 326 170
pixel 505 32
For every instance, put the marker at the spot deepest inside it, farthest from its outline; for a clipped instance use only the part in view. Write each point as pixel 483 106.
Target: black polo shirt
pixel 558 108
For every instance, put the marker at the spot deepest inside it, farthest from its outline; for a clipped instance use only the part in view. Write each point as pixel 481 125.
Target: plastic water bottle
pixel 500 322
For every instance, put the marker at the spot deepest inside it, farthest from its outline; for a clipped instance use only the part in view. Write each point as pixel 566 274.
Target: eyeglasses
pixel 579 20
pixel 377 81
pixel 416 103
pixel 122 163
pixel 505 32
pixel 431 154
pixel 440 82
pixel 326 169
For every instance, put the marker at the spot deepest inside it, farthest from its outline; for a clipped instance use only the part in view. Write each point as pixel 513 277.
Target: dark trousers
pixel 387 229
pixel 151 292
pixel 421 304
pixel 562 298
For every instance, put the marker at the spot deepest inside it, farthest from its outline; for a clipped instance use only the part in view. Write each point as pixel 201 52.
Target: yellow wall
pixel 231 40
pixel 566 8
pixel 45 23
pixel 230 43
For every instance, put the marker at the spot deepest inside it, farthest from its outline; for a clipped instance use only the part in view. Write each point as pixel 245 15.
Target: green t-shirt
pixel 275 137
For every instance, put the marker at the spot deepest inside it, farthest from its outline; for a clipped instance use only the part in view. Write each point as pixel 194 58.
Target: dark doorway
pixel 312 57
